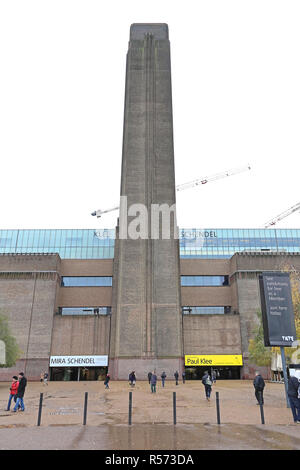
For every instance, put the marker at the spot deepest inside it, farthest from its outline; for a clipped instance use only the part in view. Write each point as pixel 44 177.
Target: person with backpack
pixel 207 382
pixel 13 392
pixel 294 397
pixel 259 385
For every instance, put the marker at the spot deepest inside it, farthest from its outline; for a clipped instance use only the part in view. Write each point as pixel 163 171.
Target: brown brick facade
pixel 30 294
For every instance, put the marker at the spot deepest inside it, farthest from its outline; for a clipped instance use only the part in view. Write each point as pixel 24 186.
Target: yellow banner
pixel 214 360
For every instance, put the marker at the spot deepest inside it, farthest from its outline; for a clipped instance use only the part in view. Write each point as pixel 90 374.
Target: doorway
pixel 69 374
pixel 222 372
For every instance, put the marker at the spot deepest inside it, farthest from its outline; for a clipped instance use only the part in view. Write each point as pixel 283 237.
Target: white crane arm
pixel 99 212
pixel 214 177
pixel 284 214
pixel 191 184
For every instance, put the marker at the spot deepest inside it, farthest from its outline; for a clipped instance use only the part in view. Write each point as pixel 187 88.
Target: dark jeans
pixel 163 382
pixel 153 388
pixel 14 397
pixel 207 391
pixel 295 407
pixel 259 396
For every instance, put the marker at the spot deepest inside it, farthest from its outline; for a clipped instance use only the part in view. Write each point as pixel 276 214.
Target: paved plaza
pixel 152 417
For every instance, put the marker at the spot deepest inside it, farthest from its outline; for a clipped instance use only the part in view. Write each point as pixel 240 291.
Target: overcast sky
pixel 236 100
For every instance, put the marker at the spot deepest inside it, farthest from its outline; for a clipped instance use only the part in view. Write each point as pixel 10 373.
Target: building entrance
pixel 222 372
pixel 77 373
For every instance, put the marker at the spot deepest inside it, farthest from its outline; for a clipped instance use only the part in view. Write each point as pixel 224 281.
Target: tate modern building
pixel 147 294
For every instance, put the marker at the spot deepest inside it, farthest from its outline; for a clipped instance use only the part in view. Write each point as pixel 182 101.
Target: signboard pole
pixel 285 376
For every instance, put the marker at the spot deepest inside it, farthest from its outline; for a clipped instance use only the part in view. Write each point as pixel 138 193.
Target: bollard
pixel 85 408
pixel 130 408
pixel 40 410
pixel 174 407
pixel 261 406
pixel 218 408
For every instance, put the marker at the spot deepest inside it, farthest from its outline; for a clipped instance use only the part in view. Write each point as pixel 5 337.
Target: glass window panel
pixel 217 310
pixel 204 281
pixel 86 281
pixel 85 310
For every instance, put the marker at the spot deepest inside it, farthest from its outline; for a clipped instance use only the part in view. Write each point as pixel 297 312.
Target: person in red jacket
pixel 13 391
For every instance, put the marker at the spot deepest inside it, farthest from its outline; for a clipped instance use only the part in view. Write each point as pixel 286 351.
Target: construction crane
pixel 215 177
pixel 190 184
pixel 283 215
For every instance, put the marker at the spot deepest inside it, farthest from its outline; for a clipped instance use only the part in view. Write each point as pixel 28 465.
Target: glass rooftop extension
pixel 194 243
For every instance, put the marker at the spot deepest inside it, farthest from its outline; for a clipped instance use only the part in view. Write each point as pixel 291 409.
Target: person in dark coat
pixel 207 382
pixel 106 381
pixel 293 390
pixel 20 392
pixel 259 385
pixel 149 377
pixel 176 375
pixel 163 378
pixel 153 382
pixel 183 377
pixel 132 378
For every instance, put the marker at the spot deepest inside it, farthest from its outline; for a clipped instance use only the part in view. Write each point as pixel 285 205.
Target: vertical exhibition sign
pixel 277 309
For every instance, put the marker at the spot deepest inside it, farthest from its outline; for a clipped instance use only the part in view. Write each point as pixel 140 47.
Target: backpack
pixel 208 381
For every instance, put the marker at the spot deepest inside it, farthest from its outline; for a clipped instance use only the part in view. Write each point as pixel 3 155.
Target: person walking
pixel 207 382
pixel 183 377
pixel 259 385
pixel 20 393
pixel 153 382
pixel 132 379
pixel 176 375
pixel 149 377
pixel 294 399
pixel 46 375
pixel 106 381
pixel 163 378
pixel 214 376
pixel 13 392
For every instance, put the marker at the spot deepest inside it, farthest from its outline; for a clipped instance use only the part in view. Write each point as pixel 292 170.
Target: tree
pixel 295 290
pixel 258 353
pixel 12 350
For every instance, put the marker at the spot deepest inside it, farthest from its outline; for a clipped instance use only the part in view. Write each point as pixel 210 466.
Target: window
pixel 206 310
pixel 204 281
pixel 84 310
pixel 86 281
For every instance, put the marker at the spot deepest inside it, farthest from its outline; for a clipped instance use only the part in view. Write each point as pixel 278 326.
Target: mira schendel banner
pixel 277 309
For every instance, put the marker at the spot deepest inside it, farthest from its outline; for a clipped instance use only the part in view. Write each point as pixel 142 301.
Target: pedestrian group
pixel 17 391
